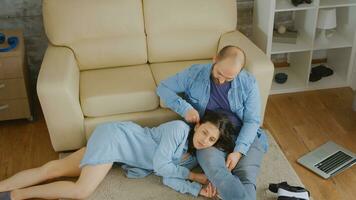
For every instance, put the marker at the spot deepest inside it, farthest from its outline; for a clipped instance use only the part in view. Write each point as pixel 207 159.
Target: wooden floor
pixel 299 122
pixel 24 145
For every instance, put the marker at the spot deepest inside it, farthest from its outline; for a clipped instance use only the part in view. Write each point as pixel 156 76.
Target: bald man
pixel 223 86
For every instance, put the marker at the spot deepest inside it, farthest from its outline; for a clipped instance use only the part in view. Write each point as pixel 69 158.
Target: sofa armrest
pixel 58 92
pixel 257 63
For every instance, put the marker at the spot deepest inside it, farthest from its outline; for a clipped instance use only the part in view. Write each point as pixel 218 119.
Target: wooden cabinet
pixel 14 93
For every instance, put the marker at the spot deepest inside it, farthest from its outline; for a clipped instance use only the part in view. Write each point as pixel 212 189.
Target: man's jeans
pixel 240 184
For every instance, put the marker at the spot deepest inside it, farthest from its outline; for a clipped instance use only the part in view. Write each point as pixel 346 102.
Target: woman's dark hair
pixel 226 130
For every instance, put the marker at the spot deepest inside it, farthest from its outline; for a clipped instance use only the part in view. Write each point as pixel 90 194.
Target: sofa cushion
pixel 185 29
pixel 147 118
pixel 162 71
pixel 117 90
pixel 102 34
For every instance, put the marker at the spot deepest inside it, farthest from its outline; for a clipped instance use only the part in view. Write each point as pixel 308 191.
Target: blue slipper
pixel 5 195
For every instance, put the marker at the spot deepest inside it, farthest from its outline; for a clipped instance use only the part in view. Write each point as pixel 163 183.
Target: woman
pixel 167 150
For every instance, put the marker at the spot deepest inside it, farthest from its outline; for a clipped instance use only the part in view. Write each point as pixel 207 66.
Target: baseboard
pixel 319 61
pixel 286 64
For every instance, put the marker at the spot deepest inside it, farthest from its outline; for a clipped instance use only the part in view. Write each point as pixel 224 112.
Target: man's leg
pixel 212 161
pixel 248 167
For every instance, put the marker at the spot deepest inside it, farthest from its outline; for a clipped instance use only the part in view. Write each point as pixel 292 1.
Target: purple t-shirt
pixel 219 101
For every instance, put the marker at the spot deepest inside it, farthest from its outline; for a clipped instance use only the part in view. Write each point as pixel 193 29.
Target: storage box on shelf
pixel 339 49
pixel 14 96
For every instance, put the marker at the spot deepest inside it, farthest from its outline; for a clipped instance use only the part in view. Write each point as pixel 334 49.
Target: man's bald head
pixel 228 64
pixel 232 52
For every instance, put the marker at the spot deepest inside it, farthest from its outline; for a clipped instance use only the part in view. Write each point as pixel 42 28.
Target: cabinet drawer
pixel 12 89
pixel 14 109
pixel 10 67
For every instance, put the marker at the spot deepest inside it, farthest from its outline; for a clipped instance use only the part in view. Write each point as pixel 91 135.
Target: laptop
pixel 328 160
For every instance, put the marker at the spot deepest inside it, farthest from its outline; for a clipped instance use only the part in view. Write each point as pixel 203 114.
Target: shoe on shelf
pixel 322 70
pixel 313 77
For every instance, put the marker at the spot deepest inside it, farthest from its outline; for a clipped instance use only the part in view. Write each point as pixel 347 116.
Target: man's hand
pixel 208 191
pixel 192 116
pixel 232 160
pixel 198 177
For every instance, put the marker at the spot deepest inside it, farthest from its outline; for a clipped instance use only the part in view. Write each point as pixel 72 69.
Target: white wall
pixel 353 76
pixel 321 54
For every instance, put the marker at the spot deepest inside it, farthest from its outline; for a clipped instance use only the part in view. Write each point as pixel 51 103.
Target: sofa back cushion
pixel 185 29
pixel 100 33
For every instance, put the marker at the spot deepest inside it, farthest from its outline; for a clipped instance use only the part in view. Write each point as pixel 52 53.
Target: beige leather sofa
pixel 105 59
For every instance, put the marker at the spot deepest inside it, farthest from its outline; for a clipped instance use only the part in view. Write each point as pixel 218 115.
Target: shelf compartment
pixel 337 40
pixel 333 81
pixel 344 32
pixel 301 45
pixel 304 22
pixel 286 5
pixel 338 61
pixel 336 3
pixel 297 73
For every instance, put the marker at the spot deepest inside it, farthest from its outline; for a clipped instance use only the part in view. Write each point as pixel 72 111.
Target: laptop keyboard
pixel 334 161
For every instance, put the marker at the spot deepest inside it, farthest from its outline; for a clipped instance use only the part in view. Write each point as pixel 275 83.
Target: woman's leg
pixel 90 178
pixel 68 166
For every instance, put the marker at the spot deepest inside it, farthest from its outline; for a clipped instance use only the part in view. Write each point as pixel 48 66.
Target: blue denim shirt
pixel 243 96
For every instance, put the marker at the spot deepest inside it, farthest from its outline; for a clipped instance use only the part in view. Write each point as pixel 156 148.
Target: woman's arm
pixel 174 136
pixel 193 188
pixel 198 177
pixel 183 186
pixel 176 176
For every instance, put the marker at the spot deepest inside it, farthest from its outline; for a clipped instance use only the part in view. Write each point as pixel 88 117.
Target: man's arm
pixel 251 120
pixel 250 124
pixel 167 90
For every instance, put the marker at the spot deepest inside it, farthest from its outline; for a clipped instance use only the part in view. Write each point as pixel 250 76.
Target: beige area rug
pixel 275 168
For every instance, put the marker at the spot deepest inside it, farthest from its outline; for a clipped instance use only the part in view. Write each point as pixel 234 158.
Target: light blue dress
pixel 142 151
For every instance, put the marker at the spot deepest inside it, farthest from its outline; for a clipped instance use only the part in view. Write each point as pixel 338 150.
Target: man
pixel 227 87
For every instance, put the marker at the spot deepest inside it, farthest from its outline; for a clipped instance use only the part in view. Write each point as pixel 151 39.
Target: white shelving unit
pixel 297 73
pixel 336 3
pixel 339 50
pixel 285 5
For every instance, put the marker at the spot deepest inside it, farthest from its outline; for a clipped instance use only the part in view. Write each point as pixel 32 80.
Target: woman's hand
pixel 198 177
pixel 208 191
